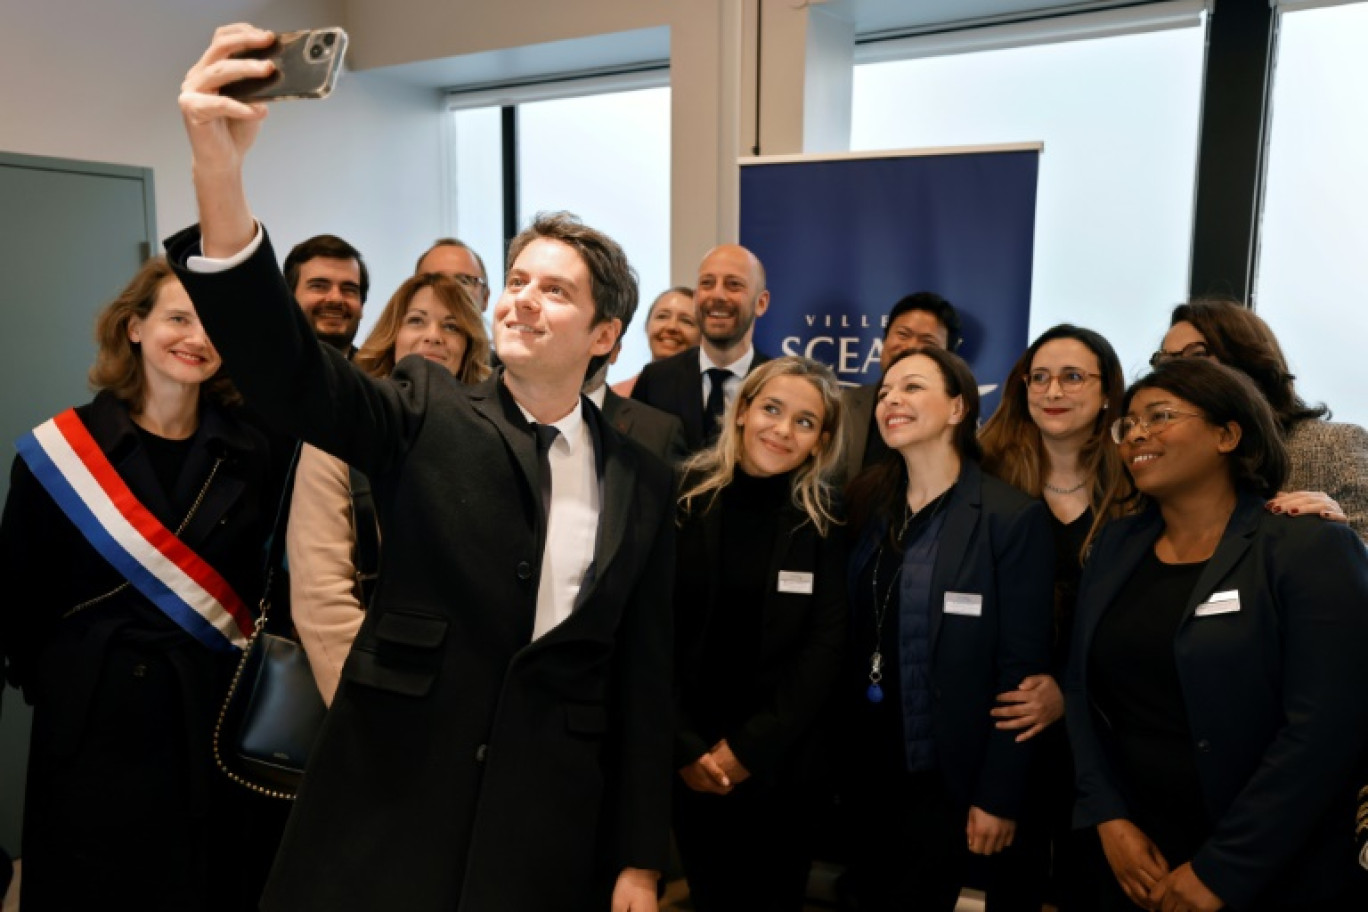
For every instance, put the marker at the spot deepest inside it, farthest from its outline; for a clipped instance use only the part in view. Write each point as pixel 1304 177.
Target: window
pixel 604 157
pixel 1119 117
pixel 1312 283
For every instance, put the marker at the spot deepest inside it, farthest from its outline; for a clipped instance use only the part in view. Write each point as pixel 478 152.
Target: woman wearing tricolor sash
pixel 131 549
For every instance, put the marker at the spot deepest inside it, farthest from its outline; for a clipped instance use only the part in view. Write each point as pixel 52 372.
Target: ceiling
pixel 873 18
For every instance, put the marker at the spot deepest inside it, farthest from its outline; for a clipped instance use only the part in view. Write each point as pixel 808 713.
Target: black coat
pixel 658 432
pixel 123 797
pixel 1274 693
pixel 462 766
pixel 996 543
pixel 800 653
pixel 675 385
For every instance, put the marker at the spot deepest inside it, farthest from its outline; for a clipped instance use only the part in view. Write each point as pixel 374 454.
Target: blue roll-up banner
pixel 844 237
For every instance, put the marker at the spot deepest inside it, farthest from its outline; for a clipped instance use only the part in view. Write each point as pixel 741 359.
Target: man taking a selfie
pixel 501 737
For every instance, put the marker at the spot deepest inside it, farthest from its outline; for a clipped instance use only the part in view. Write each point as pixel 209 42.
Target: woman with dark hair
pixel 131 546
pixel 1214 687
pixel 1323 456
pixel 1049 437
pixel 759 635
pixel 950 587
pixel 431 316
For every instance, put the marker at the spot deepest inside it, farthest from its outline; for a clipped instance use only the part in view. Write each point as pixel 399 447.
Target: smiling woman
pixel 131 545
pixel 762 561
pixel 438 319
pixel 950 583
pixel 1208 628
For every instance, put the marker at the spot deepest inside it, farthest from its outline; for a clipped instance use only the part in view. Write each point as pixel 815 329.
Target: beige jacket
pixel 320 542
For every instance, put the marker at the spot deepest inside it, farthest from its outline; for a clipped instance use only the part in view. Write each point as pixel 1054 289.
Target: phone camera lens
pixel 329 38
pixel 316 51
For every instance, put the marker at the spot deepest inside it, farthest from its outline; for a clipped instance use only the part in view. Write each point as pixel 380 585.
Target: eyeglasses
pixel 1071 379
pixel 1194 350
pixel 469 281
pixel 1157 423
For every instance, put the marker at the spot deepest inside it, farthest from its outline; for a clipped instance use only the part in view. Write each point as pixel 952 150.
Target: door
pixel 71 235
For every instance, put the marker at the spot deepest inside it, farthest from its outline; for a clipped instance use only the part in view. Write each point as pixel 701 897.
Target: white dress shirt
pixel 572 529
pixel 739 369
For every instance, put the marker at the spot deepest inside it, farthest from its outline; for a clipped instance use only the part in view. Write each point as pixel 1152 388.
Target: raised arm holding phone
pixel 500 738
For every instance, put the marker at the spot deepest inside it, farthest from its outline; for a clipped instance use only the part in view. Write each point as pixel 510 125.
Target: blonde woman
pixel 430 316
pixel 760 630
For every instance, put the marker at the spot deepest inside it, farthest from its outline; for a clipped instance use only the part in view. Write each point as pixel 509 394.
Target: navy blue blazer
pixel 1274 694
pixel 996 543
pixel 675 385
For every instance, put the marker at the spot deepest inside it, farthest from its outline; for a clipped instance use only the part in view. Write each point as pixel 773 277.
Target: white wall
pixel 98 81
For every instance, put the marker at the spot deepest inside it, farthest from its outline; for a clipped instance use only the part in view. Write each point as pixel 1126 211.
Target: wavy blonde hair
pixel 708 472
pixel 376 356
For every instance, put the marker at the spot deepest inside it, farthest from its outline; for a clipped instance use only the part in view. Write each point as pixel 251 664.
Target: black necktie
pixel 546 435
pixel 716 404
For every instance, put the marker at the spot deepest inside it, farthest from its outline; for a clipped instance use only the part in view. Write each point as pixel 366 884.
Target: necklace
pixel 1054 490
pixel 874 693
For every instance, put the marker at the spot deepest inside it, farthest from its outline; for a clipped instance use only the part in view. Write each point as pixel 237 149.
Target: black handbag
pixel 273 710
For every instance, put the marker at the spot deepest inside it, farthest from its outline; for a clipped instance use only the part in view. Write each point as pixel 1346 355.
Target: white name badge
pixel 1219 603
pixel 795 581
pixel 968 604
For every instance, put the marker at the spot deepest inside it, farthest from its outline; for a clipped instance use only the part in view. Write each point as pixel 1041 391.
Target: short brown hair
pixel 376 356
pixel 613 281
pixel 118 364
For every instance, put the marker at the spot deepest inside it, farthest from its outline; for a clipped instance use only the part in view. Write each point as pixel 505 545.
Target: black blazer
pixel 461 765
pixel 802 643
pixel 996 543
pixel 657 431
pixel 858 404
pixel 675 385
pixel 1274 694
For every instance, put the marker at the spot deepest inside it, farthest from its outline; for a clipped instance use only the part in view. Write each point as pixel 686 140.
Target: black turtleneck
pixel 749 525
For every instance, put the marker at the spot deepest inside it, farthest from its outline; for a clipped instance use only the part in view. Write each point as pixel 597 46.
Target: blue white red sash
pixel 73 469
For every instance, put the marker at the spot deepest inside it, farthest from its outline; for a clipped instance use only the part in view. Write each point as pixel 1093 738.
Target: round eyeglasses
pixel 1071 379
pixel 1156 423
pixel 1193 350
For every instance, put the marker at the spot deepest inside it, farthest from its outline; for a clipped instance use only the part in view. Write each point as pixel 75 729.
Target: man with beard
pixel 697 384
pixel 330 281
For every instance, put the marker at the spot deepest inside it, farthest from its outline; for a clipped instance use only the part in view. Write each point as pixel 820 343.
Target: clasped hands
pixel 1144 875
pixel 717 772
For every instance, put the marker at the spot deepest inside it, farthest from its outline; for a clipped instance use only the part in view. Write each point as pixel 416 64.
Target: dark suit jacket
pixel 801 649
pixel 1274 695
pixel 462 766
pixel 858 404
pixel 657 431
pixel 995 543
pixel 675 385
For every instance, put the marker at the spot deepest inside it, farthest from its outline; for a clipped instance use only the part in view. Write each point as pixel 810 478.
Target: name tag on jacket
pixel 967 604
pixel 795 581
pixel 1219 603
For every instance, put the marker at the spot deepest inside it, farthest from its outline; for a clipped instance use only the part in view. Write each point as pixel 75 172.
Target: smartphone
pixel 306 66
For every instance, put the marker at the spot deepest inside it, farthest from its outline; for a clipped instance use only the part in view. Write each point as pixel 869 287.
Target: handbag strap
pixel 366 526
pixel 275 545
